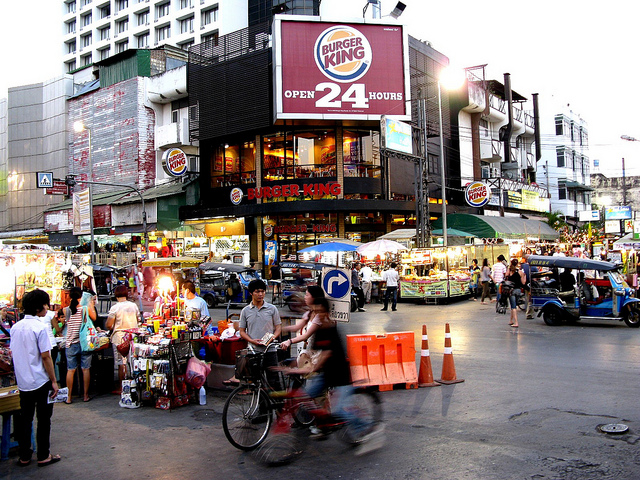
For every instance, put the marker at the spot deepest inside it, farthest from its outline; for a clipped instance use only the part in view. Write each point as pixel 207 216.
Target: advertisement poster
pixel 270 252
pixel 421 288
pixel 328 70
pixel 81 219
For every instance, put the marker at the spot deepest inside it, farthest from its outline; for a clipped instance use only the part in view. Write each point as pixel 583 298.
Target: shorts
pixel 117 358
pixel 74 351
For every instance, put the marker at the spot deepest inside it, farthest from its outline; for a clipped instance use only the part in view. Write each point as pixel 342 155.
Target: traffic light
pixel 70 180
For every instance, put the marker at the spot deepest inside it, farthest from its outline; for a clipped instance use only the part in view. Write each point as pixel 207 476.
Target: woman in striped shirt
pixel 74 318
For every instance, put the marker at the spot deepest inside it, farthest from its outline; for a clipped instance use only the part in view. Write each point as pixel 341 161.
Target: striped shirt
pixel 74 323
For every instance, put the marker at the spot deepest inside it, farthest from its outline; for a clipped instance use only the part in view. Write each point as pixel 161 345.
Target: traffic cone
pixel 425 377
pixel 448 368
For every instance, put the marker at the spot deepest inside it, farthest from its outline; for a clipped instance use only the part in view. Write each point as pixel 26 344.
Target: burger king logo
pixel 342 53
pixel 268 230
pixel 236 196
pixel 174 162
pixel 477 194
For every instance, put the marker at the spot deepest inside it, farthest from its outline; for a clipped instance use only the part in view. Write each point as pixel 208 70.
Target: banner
pixel 81 218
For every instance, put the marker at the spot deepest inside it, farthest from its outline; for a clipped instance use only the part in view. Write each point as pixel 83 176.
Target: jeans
pixel 393 293
pixel 30 402
pixel 360 296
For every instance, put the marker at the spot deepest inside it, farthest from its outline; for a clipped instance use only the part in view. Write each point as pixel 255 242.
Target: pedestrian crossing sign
pixel 45 179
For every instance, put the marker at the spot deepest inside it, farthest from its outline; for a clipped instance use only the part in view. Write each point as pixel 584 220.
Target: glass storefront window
pixel 300 154
pixel 363 218
pixel 296 232
pixel 361 150
pixel 233 164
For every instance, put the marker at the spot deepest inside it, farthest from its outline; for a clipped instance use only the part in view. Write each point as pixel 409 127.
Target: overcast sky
pixel 585 54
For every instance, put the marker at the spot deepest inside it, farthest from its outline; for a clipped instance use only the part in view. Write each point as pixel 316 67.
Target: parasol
pixel 380 247
pixel 329 247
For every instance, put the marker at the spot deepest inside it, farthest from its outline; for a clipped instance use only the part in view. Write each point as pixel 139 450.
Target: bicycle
pixel 251 408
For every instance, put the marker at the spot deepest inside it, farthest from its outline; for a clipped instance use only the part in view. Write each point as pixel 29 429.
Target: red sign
pixel 326 228
pixel 59 188
pixel 294 190
pixel 339 71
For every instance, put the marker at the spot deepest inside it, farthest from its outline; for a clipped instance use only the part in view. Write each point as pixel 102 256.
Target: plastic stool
pixel 5 443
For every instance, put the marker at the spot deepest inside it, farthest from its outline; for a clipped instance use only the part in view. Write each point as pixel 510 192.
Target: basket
pixel 247 365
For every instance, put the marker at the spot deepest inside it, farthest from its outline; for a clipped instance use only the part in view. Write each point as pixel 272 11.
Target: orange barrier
pixel 425 378
pixel 383 360
pixel 448 367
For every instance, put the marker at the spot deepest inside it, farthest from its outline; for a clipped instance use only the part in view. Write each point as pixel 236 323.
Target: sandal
pixel 24 464
pixel 50 460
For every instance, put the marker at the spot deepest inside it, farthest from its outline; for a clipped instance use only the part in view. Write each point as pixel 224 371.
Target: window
pixel 86 60
pixel 361 153
pixel 186 45
pixel 233 164
pixel 175 115
pixel 143 18
pixel 560 156
pixel 121 5
pixel 210 15
pixel 162 10
pixel 71 8
pixel 186 25
pixel 85 2
pixel 122 46
pixel 211 40
pixel 163 33
pixel 185 4
pixel 86 40
pixel 562 192
pixel 71 66
pixel 86 19
pixel 105 11
pixel 71 46
pixel 104 53
pixel 71 26
pixel 105 33
pixel 143 40
pixel 122 26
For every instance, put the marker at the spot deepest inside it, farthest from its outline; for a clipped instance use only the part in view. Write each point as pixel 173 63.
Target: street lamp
pixel 79 127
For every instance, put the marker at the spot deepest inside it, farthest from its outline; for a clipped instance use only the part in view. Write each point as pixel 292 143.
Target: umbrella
pixel 380 247
pixel 329 247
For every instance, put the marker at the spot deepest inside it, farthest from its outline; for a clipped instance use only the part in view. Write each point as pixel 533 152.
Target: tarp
pixel 499 227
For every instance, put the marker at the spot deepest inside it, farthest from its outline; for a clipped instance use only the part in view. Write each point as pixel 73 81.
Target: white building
pixel 94 30
pixel 565 162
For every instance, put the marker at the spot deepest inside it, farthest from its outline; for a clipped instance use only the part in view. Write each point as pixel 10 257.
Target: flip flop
pixel 68 403
pixel 53 459
pixel 87 399
pixel 23 464
pixel 514 326
pixel 231 382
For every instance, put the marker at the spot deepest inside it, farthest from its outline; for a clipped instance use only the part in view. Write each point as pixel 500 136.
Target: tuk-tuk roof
pixel 168 261
pixel 225 267
pixel 571 262
pixel 307 265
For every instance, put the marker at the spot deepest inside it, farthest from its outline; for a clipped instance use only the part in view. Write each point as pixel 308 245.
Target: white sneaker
pixel 371 442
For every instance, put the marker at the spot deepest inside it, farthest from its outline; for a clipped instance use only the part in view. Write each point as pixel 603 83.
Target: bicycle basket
pixel 247 365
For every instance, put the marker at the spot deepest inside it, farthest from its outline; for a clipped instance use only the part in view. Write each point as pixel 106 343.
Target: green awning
pixel 499 227
pixel 575 185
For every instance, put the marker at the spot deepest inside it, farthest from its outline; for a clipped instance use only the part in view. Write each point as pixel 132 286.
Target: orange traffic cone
pixel 425 378
pixel 448 368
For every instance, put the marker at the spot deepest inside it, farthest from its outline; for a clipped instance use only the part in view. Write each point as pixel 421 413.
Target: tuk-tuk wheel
pixel 552 317
pixel 211 300
pixel 632 318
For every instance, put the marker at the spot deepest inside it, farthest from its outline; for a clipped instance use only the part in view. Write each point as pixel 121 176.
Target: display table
pixel 427 288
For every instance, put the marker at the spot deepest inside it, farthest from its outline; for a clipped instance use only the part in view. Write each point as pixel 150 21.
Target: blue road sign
pixel 44 179
pixel 336 284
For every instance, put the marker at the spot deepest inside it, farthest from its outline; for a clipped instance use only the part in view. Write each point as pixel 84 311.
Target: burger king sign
pixel 477 194
pixel 174 162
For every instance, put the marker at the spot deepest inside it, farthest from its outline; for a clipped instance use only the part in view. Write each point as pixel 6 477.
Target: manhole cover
pixel 614 428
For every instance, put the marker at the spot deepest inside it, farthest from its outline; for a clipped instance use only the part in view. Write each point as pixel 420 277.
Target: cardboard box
pixel 9 399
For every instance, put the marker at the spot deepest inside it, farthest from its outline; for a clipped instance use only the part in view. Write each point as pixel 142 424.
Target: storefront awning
pixel 572 185
pixel 499 227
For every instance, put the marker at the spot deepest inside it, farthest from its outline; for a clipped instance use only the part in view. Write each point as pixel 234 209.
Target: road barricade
pixel 384 361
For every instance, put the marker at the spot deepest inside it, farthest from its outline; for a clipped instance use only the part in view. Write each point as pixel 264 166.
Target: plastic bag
pixel 228 333
pixel 88 334
pixel 197 372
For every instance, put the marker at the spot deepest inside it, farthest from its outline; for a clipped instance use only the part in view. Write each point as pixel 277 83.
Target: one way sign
pixel 45 179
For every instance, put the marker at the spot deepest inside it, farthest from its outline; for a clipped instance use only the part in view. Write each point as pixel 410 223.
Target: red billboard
pixel 328 70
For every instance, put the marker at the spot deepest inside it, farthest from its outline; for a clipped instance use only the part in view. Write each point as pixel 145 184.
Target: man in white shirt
pixel 498 273
pixel 36 377
pixel 367 275
pixel 193 302
pixel 122 316
pixel 391 277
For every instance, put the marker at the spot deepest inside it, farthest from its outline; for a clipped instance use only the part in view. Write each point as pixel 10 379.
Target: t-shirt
pixel 46 321
pixel 336 368
pixel 126 316
pixel 366 273
pixel 197 303
pixel 355 278
pixel 29 339
pixel 74 323
pixel 391 276
pixel 499 271
pixel 258 321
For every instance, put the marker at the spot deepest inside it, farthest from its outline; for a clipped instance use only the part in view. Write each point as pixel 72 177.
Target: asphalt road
pixel 530 408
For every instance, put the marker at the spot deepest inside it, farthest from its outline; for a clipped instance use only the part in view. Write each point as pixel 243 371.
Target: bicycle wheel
pixel 247 417
pixel 367 408
pixel 522 302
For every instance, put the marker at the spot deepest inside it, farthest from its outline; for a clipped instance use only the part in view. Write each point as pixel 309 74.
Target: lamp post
pixel 442 174
pixel 79 127
pixel 624 180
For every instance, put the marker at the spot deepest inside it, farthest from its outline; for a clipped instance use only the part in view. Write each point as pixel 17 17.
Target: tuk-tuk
pixel 225 283
pixel 180 268
pixel 605 296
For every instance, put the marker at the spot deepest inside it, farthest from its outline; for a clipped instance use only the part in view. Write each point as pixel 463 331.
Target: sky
pixel 582 54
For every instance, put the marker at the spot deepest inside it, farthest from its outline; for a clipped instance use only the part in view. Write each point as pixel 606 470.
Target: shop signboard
pixel 628 226
pixel 589 215
pixel 612 226
pixel 174 162
pixel 81 219
pixel 59 187
pixel 327 70
pixel 423 288
pixel 477 194
pixel 396 135
pixel 617 213
pixel 636 231
pixel 336 283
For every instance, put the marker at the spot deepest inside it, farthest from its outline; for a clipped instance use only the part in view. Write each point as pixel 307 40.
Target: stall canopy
pixel 499 227
pixel 409 233
pixel 626 242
